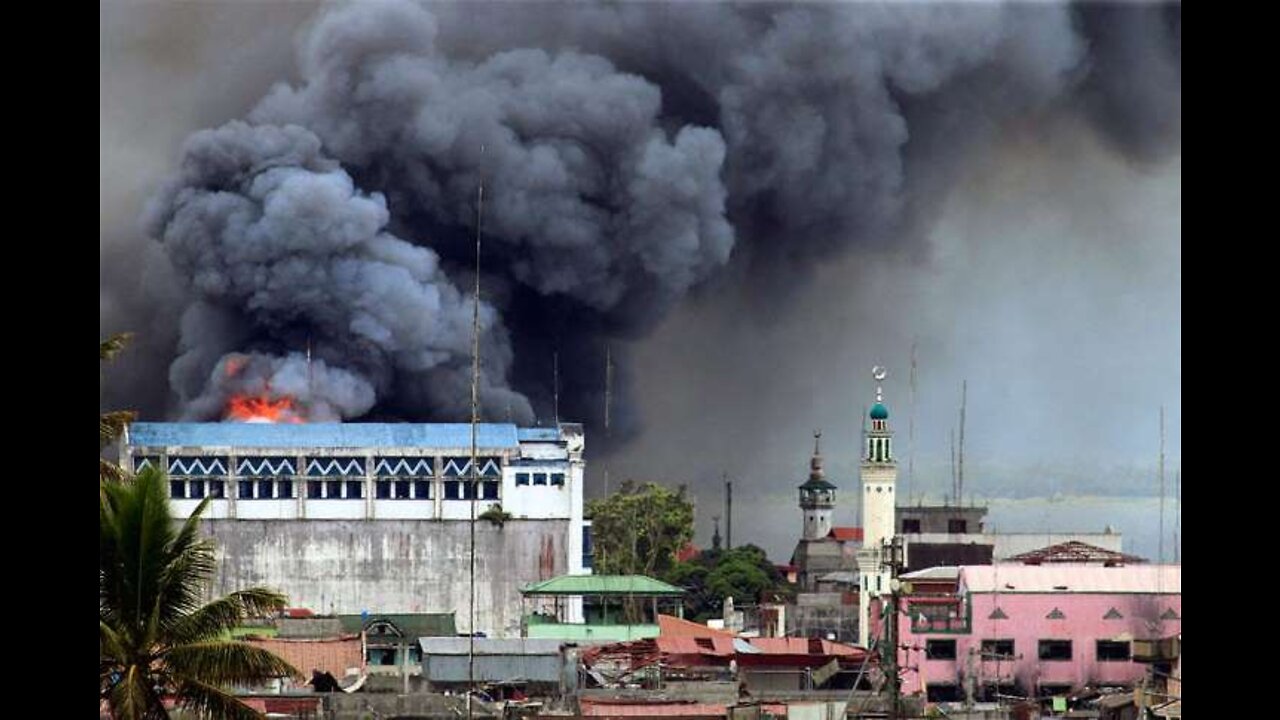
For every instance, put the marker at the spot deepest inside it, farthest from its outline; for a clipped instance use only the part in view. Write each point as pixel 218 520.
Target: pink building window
pixel 1113 650
pixel 1055 649
pixel 997 649
pixel 940 649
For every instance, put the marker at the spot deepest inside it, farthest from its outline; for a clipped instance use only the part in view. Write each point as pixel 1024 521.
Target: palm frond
pixel 216 618
pixel 134 698
pixel 190 563
pixel 113 345
pixel 210 701
pixel 156 633
pixel 111 425
pixel 110 472
pixel 227 662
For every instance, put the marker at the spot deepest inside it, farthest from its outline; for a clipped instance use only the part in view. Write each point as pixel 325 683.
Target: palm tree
pixel 111 424
pixel 156 638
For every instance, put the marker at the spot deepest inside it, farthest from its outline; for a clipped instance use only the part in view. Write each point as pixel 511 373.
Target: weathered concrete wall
pixel 820 620
pixel 364 706
pixel 392 566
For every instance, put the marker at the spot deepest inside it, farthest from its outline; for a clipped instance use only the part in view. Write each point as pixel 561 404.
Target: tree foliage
pixel 157 638
pixel 111 424
pixel 743 573
pixel 639 529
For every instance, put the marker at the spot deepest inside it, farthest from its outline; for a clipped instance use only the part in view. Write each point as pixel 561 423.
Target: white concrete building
pixel 355 517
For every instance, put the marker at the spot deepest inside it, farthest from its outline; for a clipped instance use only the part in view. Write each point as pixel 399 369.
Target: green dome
pixel 879 412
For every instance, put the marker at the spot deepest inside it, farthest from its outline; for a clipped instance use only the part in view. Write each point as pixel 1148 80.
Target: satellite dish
pixel 879 373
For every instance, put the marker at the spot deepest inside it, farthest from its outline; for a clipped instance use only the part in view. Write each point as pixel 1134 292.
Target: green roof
pixel 601 585
pixel 411 624
pixel 812 484
pixel 879 412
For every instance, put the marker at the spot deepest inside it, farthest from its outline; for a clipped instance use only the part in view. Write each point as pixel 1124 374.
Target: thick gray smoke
pixel 314 391
pixel 627 152
pixel 279 244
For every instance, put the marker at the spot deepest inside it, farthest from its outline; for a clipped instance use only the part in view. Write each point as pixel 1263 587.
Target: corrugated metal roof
pixel 651 709
pixel 489 646
pixel 678 645
pixel 332 655
pixel 611 707
pixel 803 646
pixel 411 624
pixel 322 435
pixel 672 626
pixel 1066 578
pixel 945 572
pixel 1075 551
pixel 601 585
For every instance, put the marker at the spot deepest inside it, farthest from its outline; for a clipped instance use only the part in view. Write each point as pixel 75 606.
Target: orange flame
pixel 262 409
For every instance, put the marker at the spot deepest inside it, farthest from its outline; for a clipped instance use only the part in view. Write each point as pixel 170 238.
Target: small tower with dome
pixel 817 497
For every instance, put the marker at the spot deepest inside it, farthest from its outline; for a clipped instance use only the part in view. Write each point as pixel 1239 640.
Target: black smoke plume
pixel 628 153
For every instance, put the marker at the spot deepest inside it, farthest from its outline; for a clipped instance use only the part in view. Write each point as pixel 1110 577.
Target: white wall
pixel 286 509
pixel 334 509
pixel 461 509
pixel 540 501
pixel 216 509
pixel 399 509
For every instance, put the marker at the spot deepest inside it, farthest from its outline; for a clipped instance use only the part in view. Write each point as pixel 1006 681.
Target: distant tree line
pixel 640 530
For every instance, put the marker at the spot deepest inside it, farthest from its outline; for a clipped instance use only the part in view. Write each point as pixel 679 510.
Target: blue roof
pixel 539 434
pixel 323 435
pixel 879 412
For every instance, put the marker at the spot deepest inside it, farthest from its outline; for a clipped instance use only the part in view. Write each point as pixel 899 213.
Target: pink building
pixel 1033 630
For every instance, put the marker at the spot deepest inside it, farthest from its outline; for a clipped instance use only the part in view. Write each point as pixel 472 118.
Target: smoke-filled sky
pixel 750 204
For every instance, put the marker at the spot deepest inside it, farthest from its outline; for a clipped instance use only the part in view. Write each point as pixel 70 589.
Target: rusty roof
pixel 332 655
pixel 1074 551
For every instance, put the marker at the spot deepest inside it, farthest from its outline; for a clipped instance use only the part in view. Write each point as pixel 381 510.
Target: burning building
pixel 374 517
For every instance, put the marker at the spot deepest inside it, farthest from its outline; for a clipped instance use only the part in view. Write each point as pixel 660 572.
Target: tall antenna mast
pixel 311 385
pixel 475 460
pixel 728 512
pixel 964 401
pixel 911 427
pixel 1177 513
pixel 1161 543
pixel 866 452
pixel 608 390
pixel 952 435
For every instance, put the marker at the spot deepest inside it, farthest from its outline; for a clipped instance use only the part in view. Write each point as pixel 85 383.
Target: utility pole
pixel 969 680
pixel 475 460
pixel 891 559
